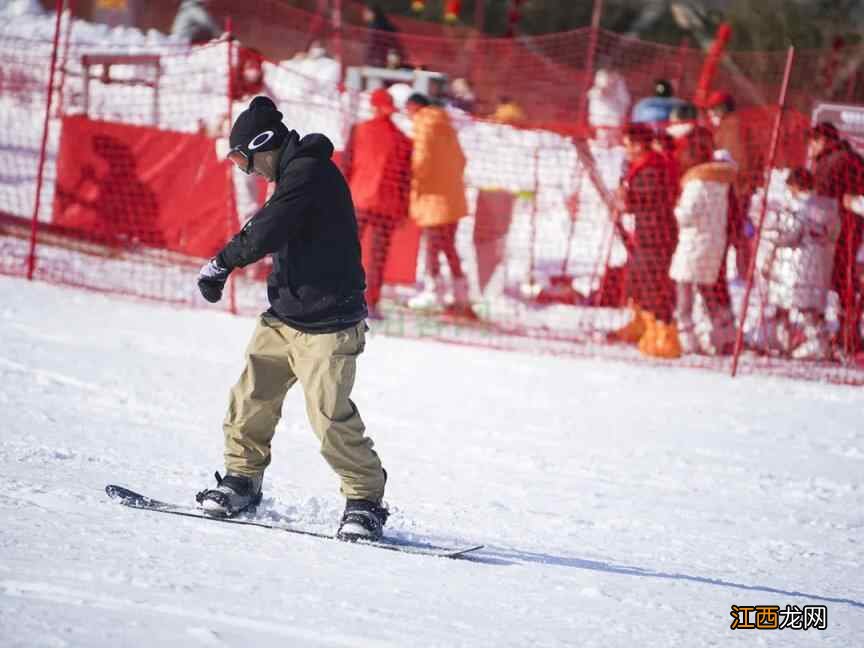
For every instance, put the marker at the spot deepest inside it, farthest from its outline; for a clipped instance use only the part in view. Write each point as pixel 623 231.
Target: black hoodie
pixel 309 227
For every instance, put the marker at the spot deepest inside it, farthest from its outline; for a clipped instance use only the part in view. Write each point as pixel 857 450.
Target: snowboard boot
pixel 362 520
pixel 233 494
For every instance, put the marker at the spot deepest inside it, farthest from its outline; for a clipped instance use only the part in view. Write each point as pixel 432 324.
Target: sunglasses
pixel 241 160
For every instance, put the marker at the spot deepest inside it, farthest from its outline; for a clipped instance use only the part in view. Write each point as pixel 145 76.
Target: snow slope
pixel 621 505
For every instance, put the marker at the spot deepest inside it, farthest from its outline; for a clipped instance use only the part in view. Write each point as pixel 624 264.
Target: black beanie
pixel 258 128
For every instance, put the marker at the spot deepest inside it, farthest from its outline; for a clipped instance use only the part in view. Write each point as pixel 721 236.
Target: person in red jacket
pixel 839 171
pixel 648 192
pixel 377 164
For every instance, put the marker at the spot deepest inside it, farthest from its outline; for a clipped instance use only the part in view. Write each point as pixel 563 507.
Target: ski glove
pixel 211 280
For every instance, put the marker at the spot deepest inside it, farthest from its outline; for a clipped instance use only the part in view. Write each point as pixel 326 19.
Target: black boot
pixel 362 520
pixel 233 494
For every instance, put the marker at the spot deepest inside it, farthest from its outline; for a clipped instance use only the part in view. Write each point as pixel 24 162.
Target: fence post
pixel 31 257
pixel 231 216
pixel 772 157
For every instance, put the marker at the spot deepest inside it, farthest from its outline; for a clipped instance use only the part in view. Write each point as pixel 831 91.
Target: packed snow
pixel 620 505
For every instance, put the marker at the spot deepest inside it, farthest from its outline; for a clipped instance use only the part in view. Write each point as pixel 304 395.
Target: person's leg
pixel 432 295
pixel 326 366
pixel 654 291
pixel 255 404
pixel 448 247
pixel 739 240
pixel 658 299
pixel 434 245
pixel 382 232
pixel 684 317
pixel 633 330
pixel 719 307
pixel 461 297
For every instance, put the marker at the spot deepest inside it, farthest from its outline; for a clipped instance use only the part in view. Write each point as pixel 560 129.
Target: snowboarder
pixel 315 327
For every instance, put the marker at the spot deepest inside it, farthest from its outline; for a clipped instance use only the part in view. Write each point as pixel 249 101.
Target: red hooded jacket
pixel 377 164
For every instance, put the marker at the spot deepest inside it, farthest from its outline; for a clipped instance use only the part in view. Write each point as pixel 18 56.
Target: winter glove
pixel 211 280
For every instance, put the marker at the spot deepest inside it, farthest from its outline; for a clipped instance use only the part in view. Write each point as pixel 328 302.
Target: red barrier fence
pixel 567 234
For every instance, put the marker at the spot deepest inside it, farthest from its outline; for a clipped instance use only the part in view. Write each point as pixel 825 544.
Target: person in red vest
pixel 377 164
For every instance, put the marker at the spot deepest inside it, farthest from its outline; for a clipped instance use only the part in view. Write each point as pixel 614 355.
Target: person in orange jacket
pixel 438 201
pixel 377 164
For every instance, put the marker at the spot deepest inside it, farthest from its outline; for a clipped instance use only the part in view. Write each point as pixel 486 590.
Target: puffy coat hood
pixel 722 172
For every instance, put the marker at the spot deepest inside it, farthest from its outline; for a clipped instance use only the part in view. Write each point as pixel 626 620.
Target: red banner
pixel 133 186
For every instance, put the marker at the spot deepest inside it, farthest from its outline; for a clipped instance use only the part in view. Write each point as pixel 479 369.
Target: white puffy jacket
pixel 807 232
pixel 701 213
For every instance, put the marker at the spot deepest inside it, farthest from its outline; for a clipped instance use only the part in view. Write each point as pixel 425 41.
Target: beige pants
pixel 325 364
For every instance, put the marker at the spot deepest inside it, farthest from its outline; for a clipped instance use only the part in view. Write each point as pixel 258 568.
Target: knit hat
pixel 662 88
pixel 258 128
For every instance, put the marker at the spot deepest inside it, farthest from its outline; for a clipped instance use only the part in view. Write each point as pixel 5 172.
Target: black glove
pixel 211 280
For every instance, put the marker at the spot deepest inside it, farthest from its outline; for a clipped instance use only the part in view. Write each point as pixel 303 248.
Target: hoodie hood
pixel 314 145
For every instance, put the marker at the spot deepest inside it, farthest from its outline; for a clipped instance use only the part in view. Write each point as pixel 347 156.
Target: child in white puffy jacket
pixel 808 228
pixel 702 212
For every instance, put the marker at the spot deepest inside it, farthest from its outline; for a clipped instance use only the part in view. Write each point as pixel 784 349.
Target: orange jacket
pixel 377 165
pixel 437 165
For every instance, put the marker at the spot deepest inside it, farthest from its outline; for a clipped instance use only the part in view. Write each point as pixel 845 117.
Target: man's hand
pixel 211 280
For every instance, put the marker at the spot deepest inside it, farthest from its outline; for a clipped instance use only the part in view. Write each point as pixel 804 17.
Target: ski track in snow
pixel 620 505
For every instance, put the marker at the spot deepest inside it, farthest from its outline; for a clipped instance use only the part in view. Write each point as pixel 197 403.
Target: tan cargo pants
pixel 325 364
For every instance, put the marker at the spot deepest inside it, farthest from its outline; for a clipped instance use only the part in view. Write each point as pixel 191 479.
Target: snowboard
pixel 138 501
